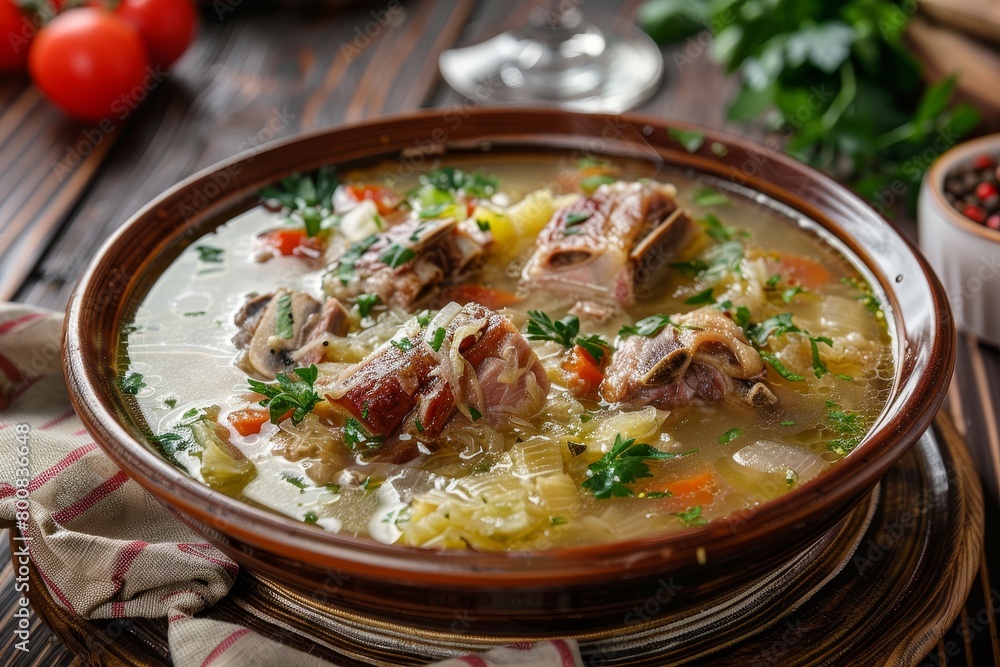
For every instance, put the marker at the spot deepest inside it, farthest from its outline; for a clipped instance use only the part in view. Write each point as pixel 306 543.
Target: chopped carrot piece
pixel 248 422
pixel 696 490
pixel 799 270
pixel 585 374
pixel 487 296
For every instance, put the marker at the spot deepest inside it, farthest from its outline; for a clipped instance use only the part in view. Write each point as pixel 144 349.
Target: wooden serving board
pixel 882 588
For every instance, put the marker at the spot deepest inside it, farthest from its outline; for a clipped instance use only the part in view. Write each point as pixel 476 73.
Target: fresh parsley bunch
pixel 834 75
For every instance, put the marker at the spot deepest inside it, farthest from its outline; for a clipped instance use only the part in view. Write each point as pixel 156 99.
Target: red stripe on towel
pixel 224 646
pixel 74 511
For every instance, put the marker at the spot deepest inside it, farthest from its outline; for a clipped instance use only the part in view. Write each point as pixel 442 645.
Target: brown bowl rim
pixel 891 436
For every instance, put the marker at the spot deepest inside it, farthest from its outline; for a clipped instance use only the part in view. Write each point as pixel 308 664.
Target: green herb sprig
pixel 287 394
pixel 622 465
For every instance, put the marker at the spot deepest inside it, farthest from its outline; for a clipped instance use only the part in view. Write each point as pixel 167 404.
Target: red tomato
pixel 91 64
pixel 167 26
pixel 18 26
pixel 385 198
pixel 291 242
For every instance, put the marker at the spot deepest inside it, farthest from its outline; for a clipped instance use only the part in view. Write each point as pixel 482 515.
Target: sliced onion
pixel 770 458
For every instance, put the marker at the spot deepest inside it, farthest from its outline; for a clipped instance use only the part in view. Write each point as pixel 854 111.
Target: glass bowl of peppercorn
pixel 959 219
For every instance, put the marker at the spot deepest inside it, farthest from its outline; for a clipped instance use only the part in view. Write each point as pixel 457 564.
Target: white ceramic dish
pixel 964 254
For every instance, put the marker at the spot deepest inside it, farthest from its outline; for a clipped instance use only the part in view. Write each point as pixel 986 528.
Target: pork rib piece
pixel 467 359
pixel 405 263
pixel 611 246
pixel 702 354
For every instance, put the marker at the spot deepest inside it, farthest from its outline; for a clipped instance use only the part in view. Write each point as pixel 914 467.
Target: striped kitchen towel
pixel 103 546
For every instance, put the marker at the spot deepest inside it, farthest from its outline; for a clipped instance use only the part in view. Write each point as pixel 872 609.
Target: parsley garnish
pixel 418 425
pixel 558 520
pixel 356 434
pixel 647 326
pixel 438 339
pixel 305 198
pixel 691 516
pixel 847 424
pixel 790 293
pixel 715 229
pixel 574 219
pixel 170 402
pixel 295 481
pixel 209 254
pixel 690 268
pixel 656 494
pixel 594 345
pixel 474 184
pixel 132 384
pixel 565 332
pixel 730 435
pixel 475 414
pixel 701 298
pixel 424 317
pixel 396 255
pixel 295 395
pixel 781 368
pixel 484 226
pixel 778 326
pixel 283 324
pixel 788 422
pixel 403 344
pixel 623 464
pixel 310 517
pixel 365 303
pixel 707 197
pixel 169 444
pixel 591 183
pixel 345 265
pixel 689 139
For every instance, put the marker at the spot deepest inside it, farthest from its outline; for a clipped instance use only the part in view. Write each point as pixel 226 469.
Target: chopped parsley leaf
pixel 396 255
pixel 439 335
pixel 403 344
pixel 287 394
pixel 484 225
pixel 691 516
pixel 702 298
pixel 284 327
pixel 132 384
pixel 475 414
pixel 707 197
pixel 624 463
pixel 594 345
pixel 345 265
pixel 591 183
pixel 365 303
pixel 730 435
pixel 356 434
pixel 209 254
pixel 294 480
pixel 781 368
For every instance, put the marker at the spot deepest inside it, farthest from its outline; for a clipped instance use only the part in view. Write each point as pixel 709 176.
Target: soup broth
pixel 507 353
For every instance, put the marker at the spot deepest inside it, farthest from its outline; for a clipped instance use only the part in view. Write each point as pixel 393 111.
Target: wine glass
pixel 562 59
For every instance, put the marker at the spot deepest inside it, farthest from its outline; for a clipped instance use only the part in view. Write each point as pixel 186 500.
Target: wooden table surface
pixel 255 75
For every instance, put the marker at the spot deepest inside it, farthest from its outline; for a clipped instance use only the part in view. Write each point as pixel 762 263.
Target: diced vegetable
pixel 222 466
pixel 291 241
pixel 585 375
pixel 248 422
